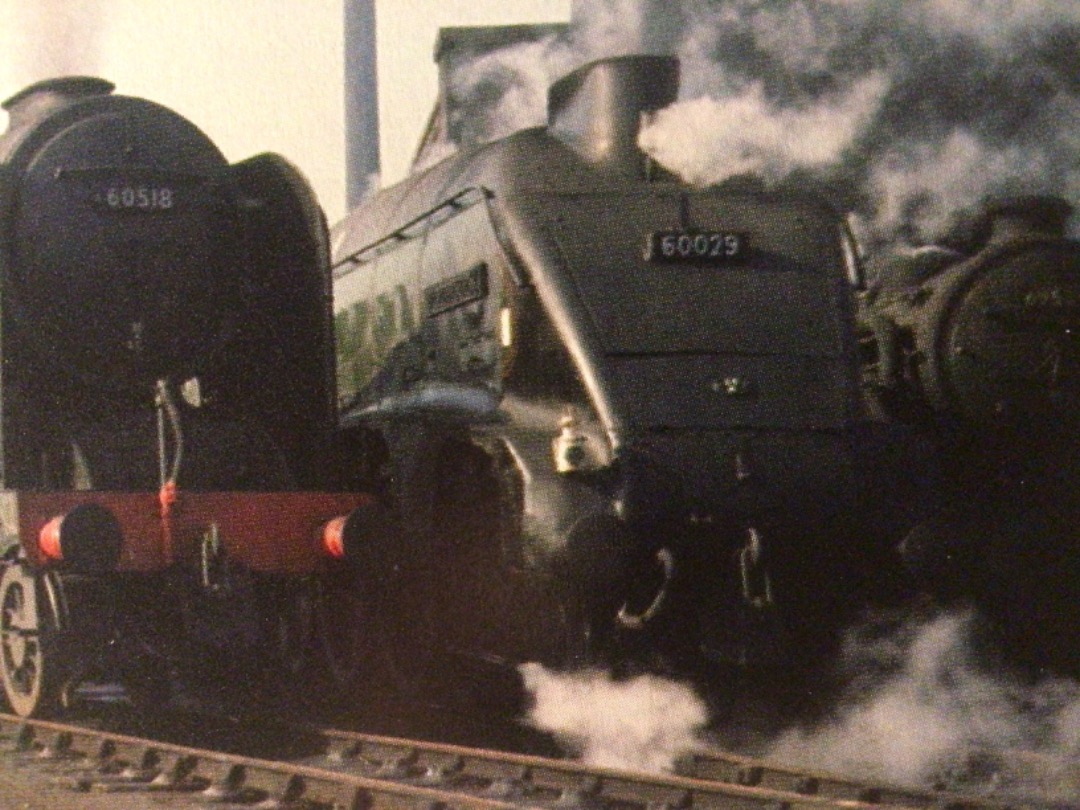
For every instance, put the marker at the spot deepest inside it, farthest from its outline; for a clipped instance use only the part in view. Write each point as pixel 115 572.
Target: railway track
pixel 1014 779
pixel 356 771
pixel 705 779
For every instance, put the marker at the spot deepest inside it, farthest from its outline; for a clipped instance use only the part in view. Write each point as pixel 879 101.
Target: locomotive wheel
pixel 29 666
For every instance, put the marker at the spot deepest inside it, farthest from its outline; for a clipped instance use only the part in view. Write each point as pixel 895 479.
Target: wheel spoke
pixel 29 679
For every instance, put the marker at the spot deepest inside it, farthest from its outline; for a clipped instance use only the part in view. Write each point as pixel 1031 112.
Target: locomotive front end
pixel 165 398
pixel 978 344
pixel 620 414
pixel 711 332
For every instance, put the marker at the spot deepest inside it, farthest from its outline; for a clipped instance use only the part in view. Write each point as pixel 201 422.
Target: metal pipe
pixel 362 162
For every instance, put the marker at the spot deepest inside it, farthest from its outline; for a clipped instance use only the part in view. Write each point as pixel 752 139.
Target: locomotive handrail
pixel 635 621
pixel 167 412
pixel 429 219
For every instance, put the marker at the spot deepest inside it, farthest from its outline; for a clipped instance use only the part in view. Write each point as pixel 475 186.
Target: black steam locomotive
pixel 609 416
pixel 976 342
pixel 166 392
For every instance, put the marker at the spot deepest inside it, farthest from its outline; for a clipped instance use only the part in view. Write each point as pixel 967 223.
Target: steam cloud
pixel 903 111
pixel 500 92
pixel 706 140
pixel 920 711
pixel 930 716
pixel 641 724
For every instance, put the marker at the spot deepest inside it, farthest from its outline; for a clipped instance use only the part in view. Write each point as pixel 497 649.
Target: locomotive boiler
pixel 165 396
pixel 610 417
pixel 977 342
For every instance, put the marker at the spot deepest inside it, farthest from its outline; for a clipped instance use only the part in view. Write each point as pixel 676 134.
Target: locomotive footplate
pixel 277 532
pixel 106 596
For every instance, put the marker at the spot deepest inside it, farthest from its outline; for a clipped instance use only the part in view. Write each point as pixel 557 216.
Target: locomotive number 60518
pixel 137 198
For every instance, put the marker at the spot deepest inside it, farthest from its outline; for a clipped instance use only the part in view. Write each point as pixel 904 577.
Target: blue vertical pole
pixel 361 102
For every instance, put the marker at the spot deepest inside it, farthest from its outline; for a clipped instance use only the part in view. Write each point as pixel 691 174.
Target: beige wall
pixel 256 75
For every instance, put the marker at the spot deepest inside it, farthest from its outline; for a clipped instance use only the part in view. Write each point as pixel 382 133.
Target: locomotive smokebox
pixel 597 110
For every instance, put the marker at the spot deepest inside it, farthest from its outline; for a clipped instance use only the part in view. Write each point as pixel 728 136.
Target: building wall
pixel 408 77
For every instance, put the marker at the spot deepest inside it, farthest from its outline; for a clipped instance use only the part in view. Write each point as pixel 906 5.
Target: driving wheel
pixel 28 661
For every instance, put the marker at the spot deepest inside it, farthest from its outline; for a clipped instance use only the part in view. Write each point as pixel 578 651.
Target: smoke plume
pixel 921 709
pixel 500 92
pixel 922 712
pixel 707 140
pixel 903 111
pixel 641 724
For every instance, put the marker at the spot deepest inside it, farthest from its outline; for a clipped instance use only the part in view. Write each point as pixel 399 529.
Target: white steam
pixel 920 189
pixel 939 719
pixel 996 23
pixel 919 711
pixel 708 140
pixel 641 724
pixel 902 110
pixel 612 27
pixel 503 91
pixel 618 27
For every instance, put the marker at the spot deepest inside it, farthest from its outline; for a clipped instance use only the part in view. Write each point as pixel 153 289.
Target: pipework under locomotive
pixel 977 343
pixel 611 416
pixel 165 395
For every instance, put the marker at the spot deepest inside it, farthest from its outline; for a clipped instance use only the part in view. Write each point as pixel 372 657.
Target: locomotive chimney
pixel 597 110
pixel 36 100
pixel 1026 217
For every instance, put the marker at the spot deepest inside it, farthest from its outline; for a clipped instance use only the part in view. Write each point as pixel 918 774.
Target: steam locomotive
pixel 166 393
pixel 609 417
pixel 976 342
